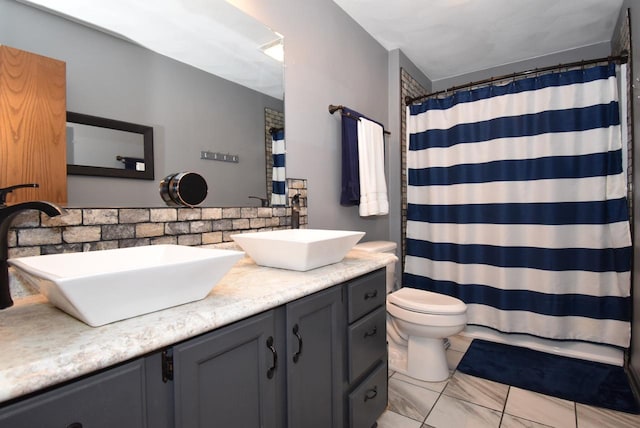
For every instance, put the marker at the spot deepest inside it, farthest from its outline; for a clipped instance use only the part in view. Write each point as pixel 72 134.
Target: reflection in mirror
pixel 279 190
pixel 191 108
pixel 108 148
pixel 273 121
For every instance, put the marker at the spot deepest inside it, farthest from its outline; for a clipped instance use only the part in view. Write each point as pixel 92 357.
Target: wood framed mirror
pixel 110 148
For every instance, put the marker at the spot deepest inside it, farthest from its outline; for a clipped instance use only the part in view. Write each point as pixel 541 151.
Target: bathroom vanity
pixel 267 347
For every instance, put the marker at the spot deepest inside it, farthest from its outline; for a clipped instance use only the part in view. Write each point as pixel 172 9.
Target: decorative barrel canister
pixel 186 189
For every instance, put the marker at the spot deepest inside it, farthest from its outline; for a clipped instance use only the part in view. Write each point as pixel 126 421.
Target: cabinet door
pixel 315 327
pixel 114 398
pixel 227 378
pixel 33 117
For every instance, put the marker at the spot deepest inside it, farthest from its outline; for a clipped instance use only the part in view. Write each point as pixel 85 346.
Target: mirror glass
pixel 215 99
pixel 108 148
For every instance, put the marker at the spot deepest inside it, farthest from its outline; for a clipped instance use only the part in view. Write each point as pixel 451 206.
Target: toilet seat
pixel 425 321
pixel 426 302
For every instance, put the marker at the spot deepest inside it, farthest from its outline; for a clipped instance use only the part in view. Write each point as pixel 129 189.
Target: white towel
pixel 373 186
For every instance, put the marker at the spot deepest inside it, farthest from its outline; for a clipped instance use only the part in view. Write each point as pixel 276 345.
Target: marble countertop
pixel 41 346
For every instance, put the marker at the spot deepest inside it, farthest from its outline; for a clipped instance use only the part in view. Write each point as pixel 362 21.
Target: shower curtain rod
pixel 333 109
pixel 620 58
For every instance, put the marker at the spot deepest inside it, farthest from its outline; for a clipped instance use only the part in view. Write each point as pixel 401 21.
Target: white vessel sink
pixel 298 249
pixel 100 287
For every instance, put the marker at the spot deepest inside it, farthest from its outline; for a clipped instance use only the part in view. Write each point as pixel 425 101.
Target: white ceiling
pixel 211 35
pixel 447 38
pixel 443 38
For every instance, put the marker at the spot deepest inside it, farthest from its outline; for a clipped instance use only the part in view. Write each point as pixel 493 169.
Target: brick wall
pixel 88 229
pixel 409 87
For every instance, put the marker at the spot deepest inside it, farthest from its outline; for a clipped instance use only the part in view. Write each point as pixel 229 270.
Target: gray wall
pixel 190 110
pixel 329 60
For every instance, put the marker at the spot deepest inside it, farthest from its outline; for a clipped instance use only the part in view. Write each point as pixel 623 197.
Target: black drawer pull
pixel 272 369
pixel 371 295
pixel 371 393
pixel 75 425
pixel 371 332
pixel 296 356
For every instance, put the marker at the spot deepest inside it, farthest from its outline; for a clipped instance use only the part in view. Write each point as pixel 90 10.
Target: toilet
pixel 418 321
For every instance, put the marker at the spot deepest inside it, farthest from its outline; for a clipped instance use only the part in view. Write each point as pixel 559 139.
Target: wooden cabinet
pixel 276 369
pixel 366 344
pixel 113 398
pixel 368 400
pixel 319 361
pixel 33 125
pixel 315 329
pixel 229 377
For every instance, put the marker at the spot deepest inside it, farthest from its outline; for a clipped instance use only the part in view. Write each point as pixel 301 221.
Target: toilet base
pixel 427 359
pixel 430 365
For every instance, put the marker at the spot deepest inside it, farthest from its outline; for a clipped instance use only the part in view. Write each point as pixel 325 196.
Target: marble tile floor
pixel 467 401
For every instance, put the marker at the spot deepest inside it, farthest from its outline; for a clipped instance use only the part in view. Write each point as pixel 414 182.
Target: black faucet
pixel 264 202
pixel 295 211
pixel 7 214
pixel 4 192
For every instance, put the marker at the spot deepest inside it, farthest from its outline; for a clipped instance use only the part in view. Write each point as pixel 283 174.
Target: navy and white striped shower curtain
pixel 517 206
pixel 279 178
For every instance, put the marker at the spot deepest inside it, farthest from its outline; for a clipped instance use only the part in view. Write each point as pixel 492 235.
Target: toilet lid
pixel 427 302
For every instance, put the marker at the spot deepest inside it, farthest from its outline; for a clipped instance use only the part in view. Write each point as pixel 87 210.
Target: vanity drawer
pixel 114 398
pixel 366 293
pixel 369 400
pixel 367 342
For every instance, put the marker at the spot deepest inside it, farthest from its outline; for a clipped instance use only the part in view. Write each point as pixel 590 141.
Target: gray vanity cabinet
pixel 315 328
pixel 113 398
pixel 279 368
pixel 319 361
pixel 229 377
pixel 366 383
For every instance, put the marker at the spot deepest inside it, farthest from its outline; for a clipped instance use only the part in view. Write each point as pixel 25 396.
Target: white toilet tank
pixel 382 247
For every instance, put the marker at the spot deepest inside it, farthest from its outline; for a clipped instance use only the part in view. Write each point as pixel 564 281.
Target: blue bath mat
pixel 582 381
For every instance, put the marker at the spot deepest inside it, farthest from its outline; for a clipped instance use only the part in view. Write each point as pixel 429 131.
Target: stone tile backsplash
pixel 88 229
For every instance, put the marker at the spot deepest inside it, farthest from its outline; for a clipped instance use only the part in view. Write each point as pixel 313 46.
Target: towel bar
pixel 334 108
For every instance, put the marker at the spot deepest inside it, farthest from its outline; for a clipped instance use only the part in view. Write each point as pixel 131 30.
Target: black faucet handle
pixel 5 191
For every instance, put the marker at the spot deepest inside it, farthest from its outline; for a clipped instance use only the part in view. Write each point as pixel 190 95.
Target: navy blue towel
pixel 350 194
